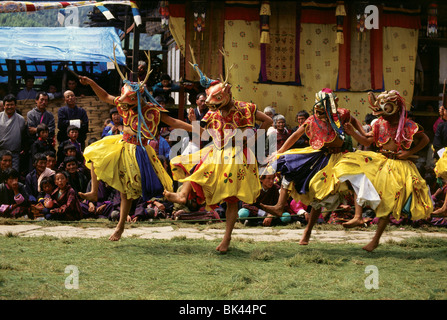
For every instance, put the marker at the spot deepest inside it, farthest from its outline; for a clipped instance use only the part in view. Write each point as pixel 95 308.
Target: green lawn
pixel 184 269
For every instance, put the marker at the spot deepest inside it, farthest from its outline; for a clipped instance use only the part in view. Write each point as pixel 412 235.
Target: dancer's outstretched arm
pixel 100 92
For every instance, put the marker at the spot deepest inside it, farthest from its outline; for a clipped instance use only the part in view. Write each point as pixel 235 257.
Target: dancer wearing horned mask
pixel 127 162
pixel 223 171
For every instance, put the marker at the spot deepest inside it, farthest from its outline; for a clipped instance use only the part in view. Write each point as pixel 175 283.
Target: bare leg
pixel 278 208
pixel 443 210
pixel 124 211
pixel 357 220
pixel 314 214
pixel 231 217
pixel 383 222
pixel 93 194
pixel 179 197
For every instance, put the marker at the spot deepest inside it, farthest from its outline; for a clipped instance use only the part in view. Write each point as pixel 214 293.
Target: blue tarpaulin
pixel 61 44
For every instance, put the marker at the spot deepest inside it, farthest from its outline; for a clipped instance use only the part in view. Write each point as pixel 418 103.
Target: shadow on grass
pixel 320 253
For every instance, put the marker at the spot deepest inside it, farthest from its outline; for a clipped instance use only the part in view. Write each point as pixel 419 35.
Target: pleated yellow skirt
pixel 393 180
pixel 219 175
pixel 115 163
pixel 441 167
pixel 321 189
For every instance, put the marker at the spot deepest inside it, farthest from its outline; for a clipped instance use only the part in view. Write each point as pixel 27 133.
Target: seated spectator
pixel 269 195
pixel 28 93
pixel 101 208
pixel 344 212
pixel 77 180
pixel 54 92
pixel 160 145
pixel 138 210
pixel 161 101
pixel 164 88
pixel 115 126
pixel 282 133
pixel 44 202
pixel 73 134
pixel 303 141
pixel 67 206
pixel 32 180
pixel 43 143
pixel 51 160
pixel 5 162
pixel 14 200
pixel 78 89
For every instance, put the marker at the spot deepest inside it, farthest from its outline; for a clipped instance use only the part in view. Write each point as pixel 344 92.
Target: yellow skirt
pixel 393 180
pixel 219 175
pixel 320 187
pixel 115 163
pixel 441 167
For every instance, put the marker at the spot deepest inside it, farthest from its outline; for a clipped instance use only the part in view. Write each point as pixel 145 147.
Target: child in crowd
pixel 42 144
pixel 51 160
pixel 44 203
pixel 115 125
pixel 73 134
pixel 164 88
pixel 14 201
pixel 78 181
pixel 33 178
pixel 66 203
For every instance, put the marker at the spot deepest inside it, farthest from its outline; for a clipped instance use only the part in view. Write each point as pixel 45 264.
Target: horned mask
pixel 218 91
pixel 131 91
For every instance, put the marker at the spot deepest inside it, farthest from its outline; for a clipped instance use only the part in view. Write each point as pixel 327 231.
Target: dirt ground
pixel 209 233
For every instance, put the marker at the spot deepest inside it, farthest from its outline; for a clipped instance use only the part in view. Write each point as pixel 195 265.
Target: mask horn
pixel 204 80
pixel 116 64
pixel 149 71
pixel 224 53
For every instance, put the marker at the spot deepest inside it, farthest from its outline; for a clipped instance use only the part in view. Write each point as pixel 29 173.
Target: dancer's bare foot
pixel 175 197
pixel 117 234
pixel 371 246
pixel 305 239
pixel 355 222
pixel 223 246
pixel 275 210
pixel 90 196
pixel 440 212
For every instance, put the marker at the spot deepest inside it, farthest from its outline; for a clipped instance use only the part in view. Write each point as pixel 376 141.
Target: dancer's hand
pixel 403 155
pixel 84 80
pixel 349 128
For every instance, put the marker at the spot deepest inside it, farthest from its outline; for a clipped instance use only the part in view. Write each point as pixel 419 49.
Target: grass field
pixel 183 269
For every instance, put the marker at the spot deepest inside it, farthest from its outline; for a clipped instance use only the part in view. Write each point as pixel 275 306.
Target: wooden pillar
pixel 135 54
pixel 12 76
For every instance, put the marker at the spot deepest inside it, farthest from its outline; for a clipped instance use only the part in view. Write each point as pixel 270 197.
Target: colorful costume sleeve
pixel 321 132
